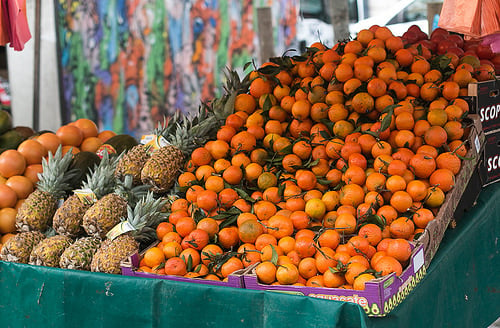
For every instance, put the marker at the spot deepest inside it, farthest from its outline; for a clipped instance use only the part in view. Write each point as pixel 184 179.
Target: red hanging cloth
pixel 472 18
pixel 15 22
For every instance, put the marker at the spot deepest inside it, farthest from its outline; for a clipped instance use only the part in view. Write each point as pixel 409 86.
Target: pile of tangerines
pixel 331 165
pixel 19 167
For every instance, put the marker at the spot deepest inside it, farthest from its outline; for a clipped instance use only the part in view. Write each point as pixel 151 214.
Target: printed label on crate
pixel 487 103
pixel 490 168
pixel 418 260
pixel 351 298
pixel 477 144
pixel 86 196
pixel 404 290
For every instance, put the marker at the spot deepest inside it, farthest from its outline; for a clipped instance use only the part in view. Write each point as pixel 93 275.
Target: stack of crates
pixel 484 100
pixel 486 103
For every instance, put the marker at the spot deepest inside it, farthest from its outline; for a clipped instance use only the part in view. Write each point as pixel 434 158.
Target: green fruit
pixel 11 139
pixel 118 144
pixel 82 163
pixel 471 60
pixel 25 131
pixel 5 121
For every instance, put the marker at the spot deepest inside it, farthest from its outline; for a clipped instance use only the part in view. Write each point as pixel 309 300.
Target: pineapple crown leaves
pixel 223 106
pixel 146 215
pixel 126 189
pixel 193 131
pixel 168 126
pixel 190 131
pixel 56 175
pixel 101 180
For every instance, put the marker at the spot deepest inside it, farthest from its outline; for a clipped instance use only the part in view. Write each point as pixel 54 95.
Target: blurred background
pixel 125 64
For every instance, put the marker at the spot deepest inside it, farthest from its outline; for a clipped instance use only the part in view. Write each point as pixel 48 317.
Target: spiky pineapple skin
pixel 68 218
pixel 36 212
pixel 132 163
pixel 108 257
pixel 162 168
pixel 18 248
pixel 48 251
pixel 101 217
pixel 78 255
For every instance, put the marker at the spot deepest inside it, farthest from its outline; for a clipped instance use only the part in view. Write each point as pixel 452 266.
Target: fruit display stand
pixel 130 265
pixel 434 232
pixel 460 287
pixel 379 297
pixel 384 294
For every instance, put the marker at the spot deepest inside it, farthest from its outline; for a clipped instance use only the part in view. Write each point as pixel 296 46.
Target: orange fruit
pixel 21 185
pixel 88 127
pixel 91 144
pixel 154 257
pixel 266 272
pixel 31 172
pixel 400 249
pixel 249 230
pixel 388 264
pixel 185 225
pixel 360 281
pixel 171 249
pixel 12 163
pixel 260 86
pixel 163 228
pixel 196 239
pixel 32 150
pixel 245 102
pixel 345 223
pixel 70 135
pixel 228 237
pixel 333 279
pixel 287 274
pixel 401 228
pixel 175 266
pixel 7 220
pixel 422 217
pixel 50 141
pixel 353 270
pixel 371 232
pixel 315 208
pixel 435 197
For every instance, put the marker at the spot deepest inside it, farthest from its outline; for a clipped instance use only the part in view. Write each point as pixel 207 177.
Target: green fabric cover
pixel 459 290
pixel 462 285
pixel 47 297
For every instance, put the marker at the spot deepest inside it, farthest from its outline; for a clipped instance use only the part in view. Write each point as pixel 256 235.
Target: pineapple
pixel 132 163
pixel 162 168
pixel 134 159
pixel 186 134
pixel 68 218
pixel 78 255
pixel 111 208
pixel 49 250
pixel 37 210
pixel 146 214
pixel 18 248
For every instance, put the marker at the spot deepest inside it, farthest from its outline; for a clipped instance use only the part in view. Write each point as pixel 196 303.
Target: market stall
pixel 459 289
pixel 352 186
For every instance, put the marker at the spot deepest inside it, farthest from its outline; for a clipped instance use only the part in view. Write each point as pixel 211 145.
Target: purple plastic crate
pixel 380 296
pixel 130 266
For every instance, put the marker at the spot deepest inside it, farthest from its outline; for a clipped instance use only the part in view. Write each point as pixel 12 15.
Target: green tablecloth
pixel 461 289
pixel 462 285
